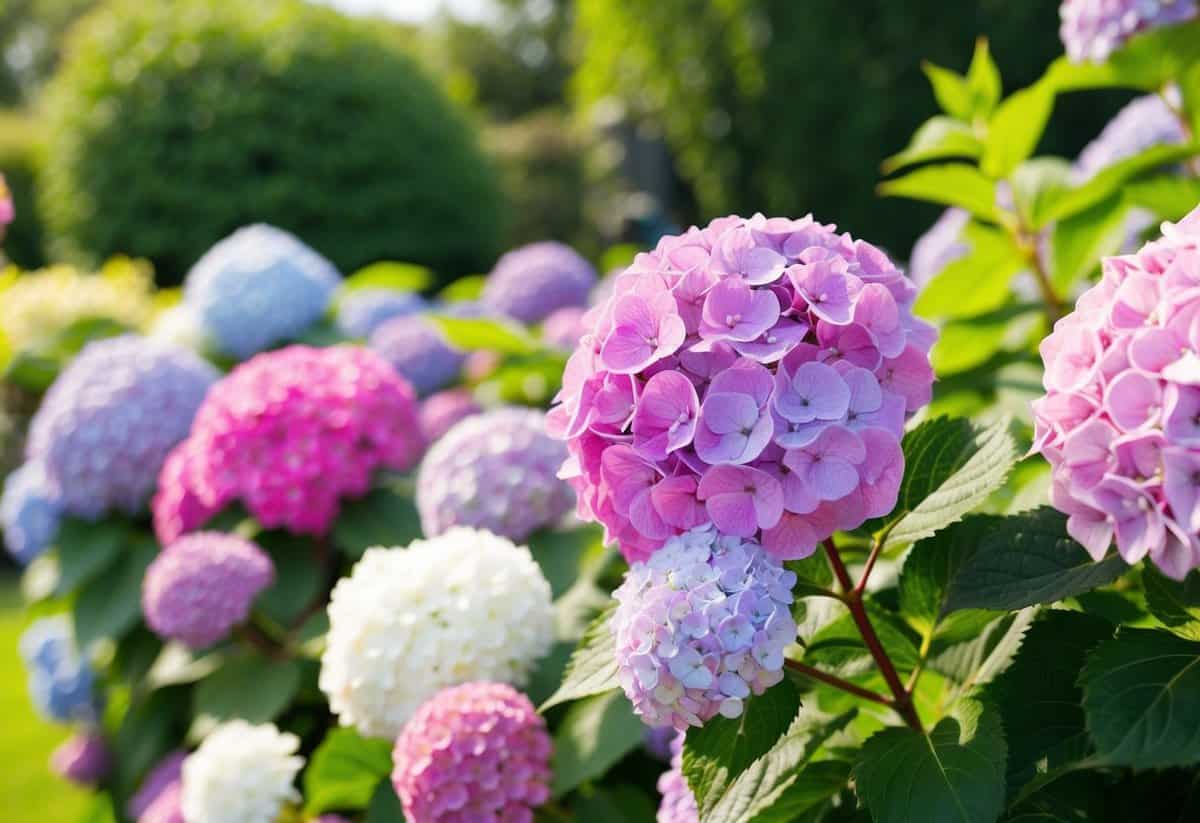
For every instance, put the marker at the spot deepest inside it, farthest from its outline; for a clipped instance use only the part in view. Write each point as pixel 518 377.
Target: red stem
pixel 836 682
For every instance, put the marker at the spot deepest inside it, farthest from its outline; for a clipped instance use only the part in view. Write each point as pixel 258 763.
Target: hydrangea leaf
pixel 938 138
pixel 1141 694
pixel 1080 240
pixel 983 80
pixel 1147 62
pixel 813 575
pixel 463 289
pixel 839 645
pixel 252 688
pixel 1169 197
pixel 150 727
pixel 978 660
pixel 385 805
pixel 950 89
pixel 87 549
pixel 473 334
pixel 977 282
pixel 951 184
pixel 568 555
pixel 593 735
pixel 344 771
pixel 388 274
pixel 298 579
pixel 621 802
pixel 1175 603
pixel 385 517
pixel 592 669
pixel 110 604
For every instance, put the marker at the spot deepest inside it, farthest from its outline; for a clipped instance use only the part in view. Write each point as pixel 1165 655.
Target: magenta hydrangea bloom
pixel 7 212
pixel 701 626
pixel 473 752
pixel 529 283
pixel 439 412
pixel 289 433
pixel 678 803
pixel 1119 419
pixel 84 758
pixel 163 781
pixel 756 374
pixel 565 327
pixel 1094 29
pixel 203 585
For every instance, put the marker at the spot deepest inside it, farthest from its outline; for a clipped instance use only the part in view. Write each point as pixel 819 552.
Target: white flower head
pixel 241 774
pixel 466 605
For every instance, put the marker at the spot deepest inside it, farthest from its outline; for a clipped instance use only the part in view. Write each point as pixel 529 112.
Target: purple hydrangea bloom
pixel 494 471
pixel 1094 29
pixel 658 741
pixel 1119 419
pixel 1142 124
pixel 939 246
pixel 203 585
pixel 701 626
pixel 162 781
pixel 419 351
pixel 108 422
pixel 565 327
pixel 362 311
pixel 439 412
pixel 61 682
pixel 30 511
pixel 258 287
pixel 83 758
pixel 678 804
pixel 167 807
pixel 530 282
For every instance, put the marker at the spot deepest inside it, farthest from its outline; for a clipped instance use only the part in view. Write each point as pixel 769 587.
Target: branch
pixel 836 682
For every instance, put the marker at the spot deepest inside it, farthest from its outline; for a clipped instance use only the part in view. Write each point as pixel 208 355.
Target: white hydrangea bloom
pixel 241 774
pixel 466 605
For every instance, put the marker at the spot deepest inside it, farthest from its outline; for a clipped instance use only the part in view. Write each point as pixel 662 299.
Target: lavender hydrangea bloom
pixel 701 626
pixel 658 740
pixel 258 287
pixel 938 247
pixel 163 780
pixel 530 282
pixel 84 759
pixel 61 682
pixel 565 327
pixel 419 352
pixel 203 585
pixel 1146 122
pixel 678 804
pixel 1094 29
pixel 440 412
pixel 108 422
pixel 30 511
pixel 495 471
pixel 361 312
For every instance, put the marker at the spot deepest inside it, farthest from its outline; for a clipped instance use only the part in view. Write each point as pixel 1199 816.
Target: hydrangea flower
pixel 61 682
pixel 290 433
pixel 530 282
pixel 1094 29
pixel 203 585
pixel 7 212
pixel 496 471
pixel 419 351
pixel 258 287
pixel 84 758
pixel 701 626
pixel 658 740
pixel 30 511
pixel 678 803
pixel 1142 124
pixel 940 245
pixel 163 781
pixel 167 807
pixel 1119 419
pixel 439 412
pixel 755 374
pixel 564 328
pixel 362 311
pixel 241 774
pixel 478 751
pixel 107 423
pixel 464 606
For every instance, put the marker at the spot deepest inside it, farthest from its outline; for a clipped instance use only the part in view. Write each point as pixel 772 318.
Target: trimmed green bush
pixel 172 123
pixel 23 241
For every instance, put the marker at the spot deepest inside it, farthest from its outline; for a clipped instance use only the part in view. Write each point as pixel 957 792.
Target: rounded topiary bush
pixel 179 122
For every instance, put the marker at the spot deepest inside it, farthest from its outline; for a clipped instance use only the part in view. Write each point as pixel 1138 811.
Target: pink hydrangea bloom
pixel 755 374
pixel 1094 29
pixel 678 803
pixel 1120 422
pixel 564 327
pixel 473 752
pixel 164 779
pixel 7 212
pixel 289 433
pixel 439 412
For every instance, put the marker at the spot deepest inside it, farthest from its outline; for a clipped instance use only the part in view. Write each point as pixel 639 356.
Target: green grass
pixel 28 791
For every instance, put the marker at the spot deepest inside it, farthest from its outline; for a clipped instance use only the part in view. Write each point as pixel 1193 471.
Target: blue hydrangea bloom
pixel 61 682
pixel 361 312
pixel 419 352
pixel 530 282
pixel 30 511
pixel 258 287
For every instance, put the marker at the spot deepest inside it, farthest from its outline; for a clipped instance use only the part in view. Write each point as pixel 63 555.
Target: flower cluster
pixel 565 327
pixel 494 471
pixel 241 774
pixel 84 758
pixel 1120 422
pixel 756 374
pixel 61 681
pixel 110 419
pixel 529 283
pixel 701 626
pixel 1094 29
pixel 7 212
pixel 258 287
pixel 362 311
pixel 467 605
pixel 288 434
pixel 157 800
pixel 30 510
pixel 478 751
pixel 678 804
pixel 439 412
pixel 203 585
pixel 417 349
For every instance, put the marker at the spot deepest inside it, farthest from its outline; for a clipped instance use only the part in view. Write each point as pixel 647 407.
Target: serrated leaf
pixel 1111 179
pixel 252 688
pixel 979 281
pixel 383 518
pixel 86 549
pixel 390 275
pixel 813 575
pixel 955 773
pixel 344 771
pixel 476 333
pixel 980 660
pixel 1141 694
pixel 110 604
pixel 1175 603
pixel 1081 240
pixel 951 184
pixel 715 754
pixel 592 669
pixel 938 138
pixel 816 783
pixel 593 735
pixel 931 566
pixel 1016 129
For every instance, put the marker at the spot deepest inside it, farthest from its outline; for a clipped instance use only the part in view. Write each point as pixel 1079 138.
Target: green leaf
pixel 594 734
pixel 1188 82
pixel 464 289
pixel 956 773
pixel 1148 62
pixel 1175 603
pixel 1170 197
pixel 618 256
pixel 149 729
pixel 1079 241
pixel 30 371
pixel 344 771
pixel 839 645
pixel 87 549
pixel 977 661
pixel 622 803
pixel 1141 694
pixel 110 604
pixel 253 688
pixel 813 575
pixel 385 805
pixel 1016 129
pixel 715 754
pixel 931 566
pixel 1110 180
pixel 977 282
pixel 951 184
pixel 298 577
pixel 391 276
pixel 950 89
pixel 385 517
pixel 971 342
pixel 983 80
pixel 938 138
pixel 816 783
pixel 592 669
pixel 1026 559
pixel 1038 696
pixel 476 333
pixel 1036 186
pixel 567 555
